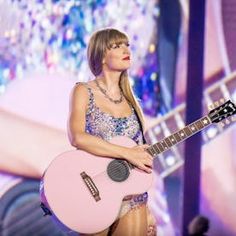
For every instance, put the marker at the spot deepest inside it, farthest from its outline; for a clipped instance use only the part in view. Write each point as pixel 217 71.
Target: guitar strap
pixel 140 124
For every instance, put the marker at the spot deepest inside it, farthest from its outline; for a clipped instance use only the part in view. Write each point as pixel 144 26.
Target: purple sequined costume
pixel 106 126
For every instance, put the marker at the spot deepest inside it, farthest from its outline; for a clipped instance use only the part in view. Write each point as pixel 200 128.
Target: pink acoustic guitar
pixel 84 192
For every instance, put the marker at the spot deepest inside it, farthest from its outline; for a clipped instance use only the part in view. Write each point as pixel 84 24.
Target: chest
pixel 118 110
pixel 104 125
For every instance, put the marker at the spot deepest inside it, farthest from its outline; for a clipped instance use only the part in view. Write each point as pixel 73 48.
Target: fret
pixel 193 128
pixel 187 131
pixel 205 121
pixel 182 134
pixel 164 144
pixel 172 139
pixel 177 137
pixel 156 149
pixel 160 147
pixel 199 125
pixel 151 150
pixel 202 124
pixel 167 140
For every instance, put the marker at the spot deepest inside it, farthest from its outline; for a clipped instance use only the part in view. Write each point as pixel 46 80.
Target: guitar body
pixel 70 198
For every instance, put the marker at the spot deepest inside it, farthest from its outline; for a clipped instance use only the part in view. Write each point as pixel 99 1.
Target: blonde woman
pixel 106 107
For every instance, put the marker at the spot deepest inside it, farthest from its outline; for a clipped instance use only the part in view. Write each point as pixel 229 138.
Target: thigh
pixel 132 223
pixel 151 223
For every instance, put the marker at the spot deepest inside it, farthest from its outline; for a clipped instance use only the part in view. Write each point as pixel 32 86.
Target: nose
pixel 126 49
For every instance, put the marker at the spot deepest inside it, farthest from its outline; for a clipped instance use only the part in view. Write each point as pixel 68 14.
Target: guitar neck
pixel 170 156
pixel 173 139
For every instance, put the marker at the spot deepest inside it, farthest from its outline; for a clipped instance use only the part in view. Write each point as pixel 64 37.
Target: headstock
pixel 222 112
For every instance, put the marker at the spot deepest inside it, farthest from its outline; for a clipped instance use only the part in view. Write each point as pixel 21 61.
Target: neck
pixel 110 81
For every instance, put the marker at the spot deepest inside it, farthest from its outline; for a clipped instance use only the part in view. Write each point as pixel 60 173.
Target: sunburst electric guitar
pixel 84 192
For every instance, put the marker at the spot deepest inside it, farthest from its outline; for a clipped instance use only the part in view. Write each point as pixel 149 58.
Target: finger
pixel 149 164
pixel 146 169
pixel 139 147
pixel 149 170
pixel 150 157
pixel 144 146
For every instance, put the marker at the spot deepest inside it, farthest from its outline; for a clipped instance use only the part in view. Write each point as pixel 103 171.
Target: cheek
pixel 113 60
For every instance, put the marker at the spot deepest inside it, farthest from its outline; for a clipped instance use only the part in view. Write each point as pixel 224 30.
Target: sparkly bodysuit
pixel 106 126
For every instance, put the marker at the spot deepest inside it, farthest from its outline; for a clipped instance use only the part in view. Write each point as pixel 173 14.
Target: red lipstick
pixel 126 58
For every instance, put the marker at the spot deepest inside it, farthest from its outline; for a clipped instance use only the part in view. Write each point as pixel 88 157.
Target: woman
pixel 106 107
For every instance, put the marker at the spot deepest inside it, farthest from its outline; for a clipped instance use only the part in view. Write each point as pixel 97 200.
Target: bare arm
pixel 82 140
pixel 77 135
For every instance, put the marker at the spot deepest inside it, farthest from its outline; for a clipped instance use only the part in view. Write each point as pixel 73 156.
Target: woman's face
pixel 117 57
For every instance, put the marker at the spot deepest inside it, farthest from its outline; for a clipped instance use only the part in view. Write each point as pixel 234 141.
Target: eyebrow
pixel 118 43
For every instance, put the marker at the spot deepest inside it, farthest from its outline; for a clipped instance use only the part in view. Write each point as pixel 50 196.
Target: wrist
pixel 124 153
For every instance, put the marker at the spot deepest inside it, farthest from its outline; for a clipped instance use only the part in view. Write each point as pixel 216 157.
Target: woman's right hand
pixel 139 157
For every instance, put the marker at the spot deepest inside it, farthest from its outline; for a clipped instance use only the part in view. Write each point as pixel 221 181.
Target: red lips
pixel 126 58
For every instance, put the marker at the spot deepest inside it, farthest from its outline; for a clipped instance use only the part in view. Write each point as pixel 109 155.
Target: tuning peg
pixel 222 100
pixel 210 106
pixel 222 125
pixel 217 103
pixel 233 118
pixel 227 121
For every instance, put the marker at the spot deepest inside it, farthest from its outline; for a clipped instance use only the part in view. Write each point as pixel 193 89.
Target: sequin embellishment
pixel 106 126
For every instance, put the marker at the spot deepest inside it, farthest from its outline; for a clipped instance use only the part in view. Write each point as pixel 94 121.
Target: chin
pixel 124 68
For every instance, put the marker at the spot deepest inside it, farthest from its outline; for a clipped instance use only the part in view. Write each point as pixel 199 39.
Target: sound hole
pixel 118 170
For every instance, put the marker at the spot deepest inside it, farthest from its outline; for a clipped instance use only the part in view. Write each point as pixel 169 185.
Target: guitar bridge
pixel 91 186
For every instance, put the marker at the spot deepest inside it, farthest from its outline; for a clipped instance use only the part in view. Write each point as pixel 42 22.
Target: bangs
pixel 116 37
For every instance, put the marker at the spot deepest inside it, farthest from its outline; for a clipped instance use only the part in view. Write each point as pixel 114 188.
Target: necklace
pixel 107 96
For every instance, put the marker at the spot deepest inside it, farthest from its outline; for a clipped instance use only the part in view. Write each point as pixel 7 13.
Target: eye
pixel 115 46
pixel 118 45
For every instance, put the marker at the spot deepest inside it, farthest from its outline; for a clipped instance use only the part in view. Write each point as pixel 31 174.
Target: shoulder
pixel 79 93
pixel 86 85
pixel 80 88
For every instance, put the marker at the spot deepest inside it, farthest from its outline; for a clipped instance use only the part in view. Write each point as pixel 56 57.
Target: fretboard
pixel 173 139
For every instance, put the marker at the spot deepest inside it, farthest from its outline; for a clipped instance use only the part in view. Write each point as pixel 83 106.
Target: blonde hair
pixel 101 41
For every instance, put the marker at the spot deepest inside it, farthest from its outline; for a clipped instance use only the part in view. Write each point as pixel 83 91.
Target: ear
pixel 104 57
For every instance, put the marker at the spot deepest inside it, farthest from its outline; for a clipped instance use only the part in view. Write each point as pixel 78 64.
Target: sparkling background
pixel 52 36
